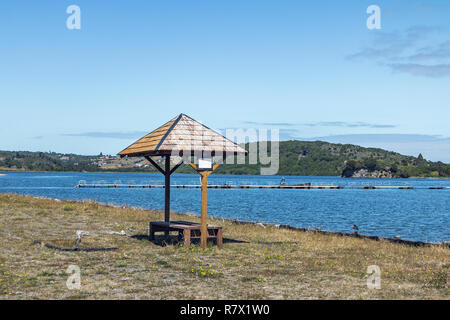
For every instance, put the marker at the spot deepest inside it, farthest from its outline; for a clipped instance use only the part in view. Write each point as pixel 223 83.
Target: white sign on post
pixel 205 164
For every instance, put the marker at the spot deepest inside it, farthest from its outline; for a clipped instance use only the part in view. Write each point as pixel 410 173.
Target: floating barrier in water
pixel 245 186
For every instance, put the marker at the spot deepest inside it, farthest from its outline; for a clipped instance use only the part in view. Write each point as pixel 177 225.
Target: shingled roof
pixel 182 134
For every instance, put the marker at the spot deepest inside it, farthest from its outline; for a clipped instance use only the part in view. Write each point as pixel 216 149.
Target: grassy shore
pixel 256 262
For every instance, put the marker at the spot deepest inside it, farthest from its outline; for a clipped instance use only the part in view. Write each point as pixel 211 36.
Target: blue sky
pixel 309 68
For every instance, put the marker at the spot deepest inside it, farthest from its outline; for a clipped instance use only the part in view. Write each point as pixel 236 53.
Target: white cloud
pixel 433 71
pixel 390 48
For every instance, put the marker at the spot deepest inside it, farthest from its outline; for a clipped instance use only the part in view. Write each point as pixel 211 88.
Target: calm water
pixel 418 214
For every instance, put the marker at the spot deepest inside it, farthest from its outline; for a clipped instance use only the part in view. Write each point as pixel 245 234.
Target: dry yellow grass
pixel 262 263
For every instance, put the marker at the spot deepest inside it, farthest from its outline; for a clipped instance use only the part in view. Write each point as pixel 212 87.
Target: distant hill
pixel 330 159
pixel 296 158
pixel 45 161
pixel 51 161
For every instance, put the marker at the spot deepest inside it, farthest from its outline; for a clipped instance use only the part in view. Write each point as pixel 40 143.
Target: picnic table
pixel 187 230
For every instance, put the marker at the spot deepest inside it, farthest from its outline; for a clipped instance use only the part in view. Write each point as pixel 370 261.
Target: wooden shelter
pixel 183 137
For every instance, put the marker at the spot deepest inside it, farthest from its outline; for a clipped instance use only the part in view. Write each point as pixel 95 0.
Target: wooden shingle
pixel 180 135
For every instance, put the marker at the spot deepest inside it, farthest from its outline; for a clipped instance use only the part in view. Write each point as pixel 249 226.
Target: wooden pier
pixel 245 186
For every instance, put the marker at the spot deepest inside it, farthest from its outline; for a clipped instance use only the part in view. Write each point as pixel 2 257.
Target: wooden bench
pixel 185 229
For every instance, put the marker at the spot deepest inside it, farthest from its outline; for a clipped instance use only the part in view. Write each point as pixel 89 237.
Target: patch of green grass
pixel 205 272
pixel 438 280
pixel 68 207
pixel 254 279
pixel 101 271
pixel 46 274
pixel 163 263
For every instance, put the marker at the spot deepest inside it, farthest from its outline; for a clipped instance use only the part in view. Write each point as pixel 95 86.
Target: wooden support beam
pixel 176 167
pixel 204 208
pixel 215 166
pixel 219 238
pixel 204 204
pixel 155 165
pixel 166 172
pixel 167 189
pixel 187 237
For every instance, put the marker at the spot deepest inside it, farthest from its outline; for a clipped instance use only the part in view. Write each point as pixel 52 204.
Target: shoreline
pixel 414 243
pixel 5 171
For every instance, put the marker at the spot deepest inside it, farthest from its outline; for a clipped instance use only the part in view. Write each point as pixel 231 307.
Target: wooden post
pixel 187 237
pixel 167 193
pixel 167 189
pixel 151 232
pixel 219 238
pixel 204 207
pixel 166 172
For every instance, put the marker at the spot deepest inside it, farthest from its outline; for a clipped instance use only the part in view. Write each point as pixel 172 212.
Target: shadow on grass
pixel 73 247
pixel 176 240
